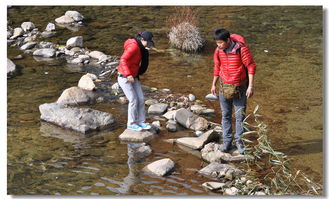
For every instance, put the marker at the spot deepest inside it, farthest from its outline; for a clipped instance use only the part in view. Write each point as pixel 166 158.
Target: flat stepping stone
pixel 198 142
pixel 137 136
pixel 160 167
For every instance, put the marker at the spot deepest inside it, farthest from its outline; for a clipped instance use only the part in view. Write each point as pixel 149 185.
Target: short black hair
pixel 221 34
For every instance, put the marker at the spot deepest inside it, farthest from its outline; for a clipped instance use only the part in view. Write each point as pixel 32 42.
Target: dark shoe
pixel 240 147
pixel 226 146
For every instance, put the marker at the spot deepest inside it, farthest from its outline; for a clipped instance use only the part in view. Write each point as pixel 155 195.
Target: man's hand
pixel 250 92
pixel 213 90
pixel 131 79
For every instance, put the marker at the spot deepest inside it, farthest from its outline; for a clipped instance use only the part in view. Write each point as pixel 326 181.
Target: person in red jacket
pixel 233 66
pixel 134 62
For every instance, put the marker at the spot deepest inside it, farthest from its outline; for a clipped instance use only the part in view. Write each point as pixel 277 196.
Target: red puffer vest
pixel 130 59
pixel 231 67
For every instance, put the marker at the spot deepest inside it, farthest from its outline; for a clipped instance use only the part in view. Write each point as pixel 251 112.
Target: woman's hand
pixel 250 91
pixel 213 90
pixel 131 79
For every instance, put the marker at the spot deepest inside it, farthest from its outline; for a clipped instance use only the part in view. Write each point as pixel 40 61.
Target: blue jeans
pixel 240 110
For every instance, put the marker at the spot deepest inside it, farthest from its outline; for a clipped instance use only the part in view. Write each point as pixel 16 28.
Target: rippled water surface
pixel 286 43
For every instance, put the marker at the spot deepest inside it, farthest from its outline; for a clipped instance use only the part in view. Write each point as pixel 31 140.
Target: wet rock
pixel 160 167
pixel 75 15
pixel 198 142
pixel 47 34
pixel 42 155
pixel 189 150
pixel 191 97
pixel 123 100
pixel 159 108
pixel 28 45
pixel 45 52
pixel 213 185
pixel 50 27
pixel 82 120
pixel 17 32
pixel 18 57
pixel 170 115
pixel 96 54
pixel 218 171
pixel 197 108
pixel 191 121
pixel 171 126
pixel 76 96
pixel 150 102
pixel 139 151
pixel 231 191
pixel 11 68
pixel 50 130
pixel 75 42
pixel 86 82
pixel 64 20
pixel 137 136
pixel 212 97
pixel 26 26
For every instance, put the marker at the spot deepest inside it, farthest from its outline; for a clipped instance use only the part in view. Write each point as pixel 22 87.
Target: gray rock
pixel 76 61
pixel 150 102
pixel 26 26
pixel 9 33
pixel 219 171
pixel 103 58
pixel 231 191
pixel 123 100
pixel 83 120
pixel 171 126
pixel 47 34
pixel 211 153
pixel 139 151
pixel 191 121
pixel 170 115
pixel 44 44
pixel 260 193
pixel 96 54
pixel 45 52
pixel 198 142
pixel 11 68
pixel 64 20
pixel 136 136
pixel 213 185
pixel 75 42
pixel 212 97
pixel 84 57
pixel 87 83
pixel 17 32
pixel 198 133
pixel 159 108
pixel 76 16
pixel 197 108
pixel 208 111
pixel 156 124
pixel 76 96
pixel 160 167
pixel 191 97
pixel 28 45
pixel 50 27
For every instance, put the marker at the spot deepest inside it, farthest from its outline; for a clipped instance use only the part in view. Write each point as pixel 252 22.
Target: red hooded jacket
pixel 231 67
pixel 130 59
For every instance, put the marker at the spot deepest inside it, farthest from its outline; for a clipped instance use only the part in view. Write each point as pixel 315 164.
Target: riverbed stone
pixel 76 96
pixel 190 120
pixel 170 115
pixel 218 171
pixel 9 33
pixel 45 44
pixel 75 15
pixel 45 52
pixel 47 34
pixel 26 26
pixel 160 167
pixel 75 42
pixel 150 102
pixel 76 61
pixel 231 191
pixel 211 97
pixel 208 111
pixel 50 27
pixel 87 83
pixel 199 142
pixel 157 109
pixel 64 20
pixel 171 126
pixel 137 136
pixel 211 153
pixel 11 68
pixel 137 151
pixel 96 54
pixel 213 185
pixel 197 108
pixel 17 32
pixel 191 97
pixel 84 57
pixel 28 45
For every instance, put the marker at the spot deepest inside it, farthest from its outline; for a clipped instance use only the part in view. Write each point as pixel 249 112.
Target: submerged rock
pixel 160 167
pixel 83 120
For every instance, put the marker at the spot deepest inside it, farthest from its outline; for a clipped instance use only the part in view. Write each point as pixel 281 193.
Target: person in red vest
pixel 134 62
pixel 235 68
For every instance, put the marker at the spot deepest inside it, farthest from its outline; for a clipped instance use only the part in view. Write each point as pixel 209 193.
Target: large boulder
pixel 75 15
pixel 83 120
pixel 87 82
pixel 26 26
pixel 64 20
pixel 45 52
pixel 159 108
pixel 190 120
pixel 160 167
pixel 135 136
pixel 75 42
pixel 220 172
pixel 76 96
pixel 199 142
pixel 11 68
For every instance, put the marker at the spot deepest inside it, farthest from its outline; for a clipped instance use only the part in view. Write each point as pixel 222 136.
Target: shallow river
pixel 286 43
